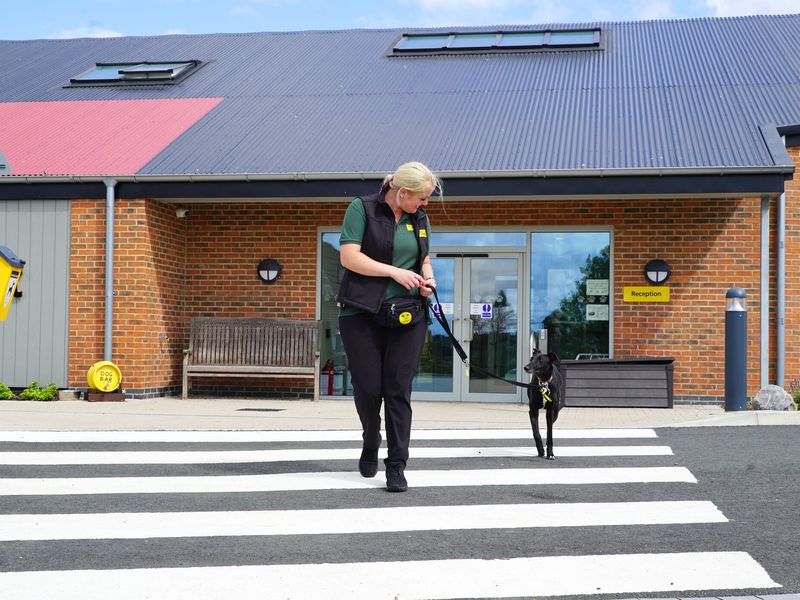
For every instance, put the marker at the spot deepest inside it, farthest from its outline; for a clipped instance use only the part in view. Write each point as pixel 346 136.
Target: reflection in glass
pixel 333 361
pixel 477 238
pixel 493 345
pixel 435 372
pixel 570 292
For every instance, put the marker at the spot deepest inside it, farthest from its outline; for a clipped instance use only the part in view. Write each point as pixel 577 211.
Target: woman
pixel 384 249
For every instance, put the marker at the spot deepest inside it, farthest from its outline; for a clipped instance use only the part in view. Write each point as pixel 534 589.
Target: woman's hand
pixel 426 289
pixel 408 279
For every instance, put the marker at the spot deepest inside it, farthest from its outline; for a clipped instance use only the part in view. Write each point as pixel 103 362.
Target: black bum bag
pixel 401 311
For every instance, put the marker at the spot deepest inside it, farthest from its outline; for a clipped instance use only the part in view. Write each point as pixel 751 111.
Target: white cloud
pixel 437 13
pixel 88 31
pixel 549 11
pixel 657 9
pixel 244 10
pixel 732 8
pixel 464 4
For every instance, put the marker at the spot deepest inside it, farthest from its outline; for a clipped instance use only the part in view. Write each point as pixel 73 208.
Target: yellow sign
pixel 10 272
pixel 404 318
pixel 645 294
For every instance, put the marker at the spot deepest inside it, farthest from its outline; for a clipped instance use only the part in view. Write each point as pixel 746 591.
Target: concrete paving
pixel 257 413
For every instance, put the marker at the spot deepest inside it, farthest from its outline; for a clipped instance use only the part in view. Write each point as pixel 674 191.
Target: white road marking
pixel 345 521
pixel 336 435
pixel 301 454
pixel 336 480
pixel 435 579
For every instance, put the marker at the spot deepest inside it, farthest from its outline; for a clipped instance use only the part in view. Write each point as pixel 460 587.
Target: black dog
pixel 545 391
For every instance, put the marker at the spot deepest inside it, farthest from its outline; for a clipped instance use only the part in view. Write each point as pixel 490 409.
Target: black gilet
pixel 365 292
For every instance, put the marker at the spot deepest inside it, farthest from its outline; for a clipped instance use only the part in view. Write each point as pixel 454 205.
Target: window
pixel 571 293
pixel 497 41
pixel 135 73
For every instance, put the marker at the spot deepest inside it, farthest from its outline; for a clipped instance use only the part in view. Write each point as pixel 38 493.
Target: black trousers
pixel 382 363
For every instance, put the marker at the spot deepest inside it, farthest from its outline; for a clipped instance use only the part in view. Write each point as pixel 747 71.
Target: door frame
pixel 462 257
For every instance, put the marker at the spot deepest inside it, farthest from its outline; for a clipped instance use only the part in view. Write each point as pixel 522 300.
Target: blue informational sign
pixel 486 311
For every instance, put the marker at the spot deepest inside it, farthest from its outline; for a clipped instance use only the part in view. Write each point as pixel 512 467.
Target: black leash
pixel 439 315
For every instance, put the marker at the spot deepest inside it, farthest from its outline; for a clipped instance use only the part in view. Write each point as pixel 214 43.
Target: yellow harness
pixel 544 390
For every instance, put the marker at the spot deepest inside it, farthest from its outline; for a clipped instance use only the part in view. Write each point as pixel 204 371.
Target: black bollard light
pixel 735 349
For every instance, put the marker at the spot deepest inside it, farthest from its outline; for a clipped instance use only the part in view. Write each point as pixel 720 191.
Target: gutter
pixel 778 169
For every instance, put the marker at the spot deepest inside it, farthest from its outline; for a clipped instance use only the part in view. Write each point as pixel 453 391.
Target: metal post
pixel 735 349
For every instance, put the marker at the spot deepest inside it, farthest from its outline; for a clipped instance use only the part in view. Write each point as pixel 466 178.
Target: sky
pixel 33 19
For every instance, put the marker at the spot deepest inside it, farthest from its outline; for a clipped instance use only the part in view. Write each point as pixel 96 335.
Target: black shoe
pixel 395 480
pixel 368 463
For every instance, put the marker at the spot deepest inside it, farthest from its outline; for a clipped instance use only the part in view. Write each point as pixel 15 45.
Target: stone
pixel 69 394
pixel 773 397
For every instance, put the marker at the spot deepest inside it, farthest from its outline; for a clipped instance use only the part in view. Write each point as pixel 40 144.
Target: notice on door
pixel 482 310
pixel 597 312
pixel 597 287
pixel 443 308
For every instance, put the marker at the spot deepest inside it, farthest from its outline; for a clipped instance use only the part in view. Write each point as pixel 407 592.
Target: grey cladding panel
pixel 33 339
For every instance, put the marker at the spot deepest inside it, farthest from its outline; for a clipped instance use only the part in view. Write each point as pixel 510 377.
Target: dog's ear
pixel 553 357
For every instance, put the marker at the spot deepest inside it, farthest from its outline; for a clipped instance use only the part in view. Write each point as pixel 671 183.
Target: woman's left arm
pixel 430 281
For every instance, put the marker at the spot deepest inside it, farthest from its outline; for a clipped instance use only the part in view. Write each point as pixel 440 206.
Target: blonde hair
pixel 415 177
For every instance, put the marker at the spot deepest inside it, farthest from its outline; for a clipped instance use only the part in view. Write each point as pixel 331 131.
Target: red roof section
pixel 93 137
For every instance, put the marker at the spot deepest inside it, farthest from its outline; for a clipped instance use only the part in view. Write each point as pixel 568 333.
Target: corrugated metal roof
pixel 680 94
pixel 93 137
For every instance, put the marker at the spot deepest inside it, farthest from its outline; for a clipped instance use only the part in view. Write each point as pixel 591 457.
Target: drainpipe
pixel 780 288
pixel 764 295
pixel 109 317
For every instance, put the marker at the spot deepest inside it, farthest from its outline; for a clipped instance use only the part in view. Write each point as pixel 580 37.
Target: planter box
pixel 633 382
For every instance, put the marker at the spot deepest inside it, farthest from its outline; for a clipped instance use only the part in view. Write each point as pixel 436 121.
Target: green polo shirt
pixel 404 252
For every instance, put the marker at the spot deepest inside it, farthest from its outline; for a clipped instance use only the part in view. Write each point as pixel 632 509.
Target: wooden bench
pixel 251 347
pixel 633 382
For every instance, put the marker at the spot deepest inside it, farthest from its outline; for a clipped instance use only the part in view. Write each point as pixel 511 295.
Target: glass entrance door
pixel 480 297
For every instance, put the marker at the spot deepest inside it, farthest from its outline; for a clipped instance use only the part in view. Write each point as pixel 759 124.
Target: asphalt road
pixel 749 473
pixel 753 475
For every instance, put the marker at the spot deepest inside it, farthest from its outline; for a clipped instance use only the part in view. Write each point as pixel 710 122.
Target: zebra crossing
pixel 284 514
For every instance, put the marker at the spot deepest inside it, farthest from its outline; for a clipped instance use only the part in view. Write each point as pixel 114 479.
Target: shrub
pixel 5 392
pixel 794 390
pixel 34 392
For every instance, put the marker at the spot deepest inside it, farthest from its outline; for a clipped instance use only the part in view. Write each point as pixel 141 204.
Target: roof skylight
pixel 500 40
pixel 135 73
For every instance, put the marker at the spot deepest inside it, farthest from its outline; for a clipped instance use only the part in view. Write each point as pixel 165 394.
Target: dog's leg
pixel 551 417
pixel 537 437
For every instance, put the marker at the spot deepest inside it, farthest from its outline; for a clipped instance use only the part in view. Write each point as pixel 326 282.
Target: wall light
pixel 657 271
pixel 269 270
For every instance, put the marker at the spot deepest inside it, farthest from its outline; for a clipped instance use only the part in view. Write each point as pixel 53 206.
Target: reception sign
pixel 645 294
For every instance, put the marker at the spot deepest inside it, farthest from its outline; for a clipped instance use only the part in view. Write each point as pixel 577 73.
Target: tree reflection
pixel 568 330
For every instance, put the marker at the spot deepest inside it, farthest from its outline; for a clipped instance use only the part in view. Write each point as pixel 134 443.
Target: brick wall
pixel 169 270
pixel 150 293
pixel 792 247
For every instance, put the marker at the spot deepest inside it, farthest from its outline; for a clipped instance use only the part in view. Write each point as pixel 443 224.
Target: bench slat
pixel 244 370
